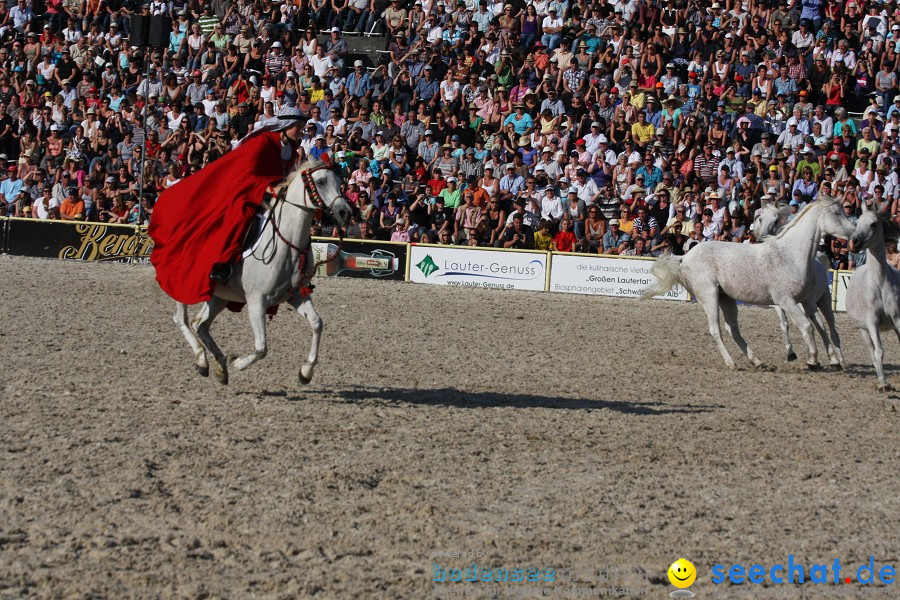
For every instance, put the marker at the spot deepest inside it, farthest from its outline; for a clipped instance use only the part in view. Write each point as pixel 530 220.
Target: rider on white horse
pixel 198 225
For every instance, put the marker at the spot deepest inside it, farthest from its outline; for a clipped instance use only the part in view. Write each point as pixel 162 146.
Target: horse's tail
pixel 667 269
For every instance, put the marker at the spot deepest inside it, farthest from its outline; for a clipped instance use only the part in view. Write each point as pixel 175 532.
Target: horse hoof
pixel 791 357
pixel 203 370
pixel 813 367
pixel 222 376
pixel 305 380
pixel 837 366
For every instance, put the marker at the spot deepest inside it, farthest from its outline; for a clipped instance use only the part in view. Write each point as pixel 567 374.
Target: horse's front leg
pixel 785 331
pixel 797 313
pixel 305 307
pixel 256 311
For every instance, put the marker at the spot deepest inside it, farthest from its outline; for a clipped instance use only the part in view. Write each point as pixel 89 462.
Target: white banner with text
pixel 605 276
pixel 464 267
pixel 839 282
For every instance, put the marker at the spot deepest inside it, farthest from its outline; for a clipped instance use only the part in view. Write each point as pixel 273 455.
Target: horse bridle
pixel 312 192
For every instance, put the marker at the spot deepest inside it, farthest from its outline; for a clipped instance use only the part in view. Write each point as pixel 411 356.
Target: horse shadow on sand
pixel 457 398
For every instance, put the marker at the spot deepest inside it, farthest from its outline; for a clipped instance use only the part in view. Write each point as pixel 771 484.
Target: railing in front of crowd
pixel 455 266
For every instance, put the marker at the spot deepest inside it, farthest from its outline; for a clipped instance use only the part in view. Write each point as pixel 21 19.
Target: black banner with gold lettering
pixel 3 222
pixel 76 241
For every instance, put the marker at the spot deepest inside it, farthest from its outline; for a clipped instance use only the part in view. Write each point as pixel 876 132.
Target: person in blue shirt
pixel 358 82
pixel 520 120
pixel 426 89
pixel 320 151
pixel 9 190
pixel 652 174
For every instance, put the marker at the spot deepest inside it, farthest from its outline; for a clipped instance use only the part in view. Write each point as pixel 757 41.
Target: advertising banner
pixel 605 276
pixel 75 241
pixel 3 222
pixel 471 267
pixel 840 280
pixel 359 258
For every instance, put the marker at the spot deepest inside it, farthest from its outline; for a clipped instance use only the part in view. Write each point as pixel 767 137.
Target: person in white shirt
pixel 586 188
pixel 321 62
pixel 551 205
pixel 843 54
pixel 592 140
pixel 798 120
pixel 552 27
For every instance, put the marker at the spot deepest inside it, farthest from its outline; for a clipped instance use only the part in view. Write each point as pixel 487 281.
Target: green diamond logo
pixel 427 265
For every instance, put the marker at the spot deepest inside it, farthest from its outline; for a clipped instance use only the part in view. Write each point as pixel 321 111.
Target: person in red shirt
pixel 198 224
pixel 564 240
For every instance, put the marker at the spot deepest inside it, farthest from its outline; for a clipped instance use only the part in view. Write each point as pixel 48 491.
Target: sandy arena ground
pixel 540 430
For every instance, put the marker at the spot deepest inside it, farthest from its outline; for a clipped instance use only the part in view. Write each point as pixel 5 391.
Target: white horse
pixel 779 272
pixel 273 273
pixel 873 294
pixel 767 223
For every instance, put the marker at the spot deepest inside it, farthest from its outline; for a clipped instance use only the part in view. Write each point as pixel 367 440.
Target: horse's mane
pixel 890 229
pixel 791 224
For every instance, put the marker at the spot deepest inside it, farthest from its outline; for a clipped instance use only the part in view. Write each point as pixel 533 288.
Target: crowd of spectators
pixel 634 127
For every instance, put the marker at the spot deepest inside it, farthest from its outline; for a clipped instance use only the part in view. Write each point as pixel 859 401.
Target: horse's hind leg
pixel 785 330
pixel 305 307
pixel 201 323
pixel 730 312
pixel 257 313
pixel 710 304
pixel 181 321
pixel 834 349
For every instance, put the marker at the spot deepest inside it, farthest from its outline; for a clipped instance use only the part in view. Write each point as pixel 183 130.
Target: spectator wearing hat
pixel 615 240
pixel 336 47
pixel 552 27
pixel 511 184
pixel 429 149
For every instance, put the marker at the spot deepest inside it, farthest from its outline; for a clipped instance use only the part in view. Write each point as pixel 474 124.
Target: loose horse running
pixel 271 275
pixel 767 223
pixel 873 294
pixel 779 272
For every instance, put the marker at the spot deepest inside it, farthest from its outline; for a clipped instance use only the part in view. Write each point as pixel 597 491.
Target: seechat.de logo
pixel 682 574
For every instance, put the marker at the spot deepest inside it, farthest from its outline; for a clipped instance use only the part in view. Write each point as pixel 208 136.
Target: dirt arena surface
pixel 540 430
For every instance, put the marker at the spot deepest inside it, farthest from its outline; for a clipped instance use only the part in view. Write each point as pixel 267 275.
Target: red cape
pixel 202 220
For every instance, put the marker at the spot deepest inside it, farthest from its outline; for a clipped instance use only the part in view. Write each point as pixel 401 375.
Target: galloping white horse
pixel 779 272
pixel 767 223
pixel 873 294
pixel 273 273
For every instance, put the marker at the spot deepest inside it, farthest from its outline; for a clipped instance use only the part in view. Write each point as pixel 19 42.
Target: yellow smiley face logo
pixel 682 573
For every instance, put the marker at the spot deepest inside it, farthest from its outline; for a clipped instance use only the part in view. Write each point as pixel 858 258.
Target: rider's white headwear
pixel 286 117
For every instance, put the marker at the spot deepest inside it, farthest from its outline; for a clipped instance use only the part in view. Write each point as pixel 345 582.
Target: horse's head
pixel 323 187
pixel 833 221
pixel 328 185
pixel 868 230
pixel 769 220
